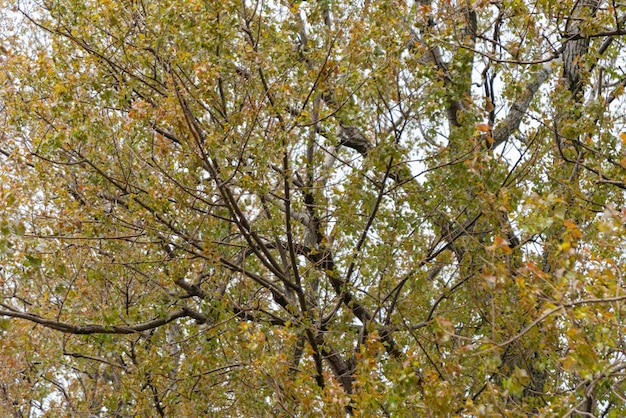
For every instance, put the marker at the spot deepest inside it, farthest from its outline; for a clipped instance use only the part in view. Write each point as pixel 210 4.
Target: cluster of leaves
pixel 316 208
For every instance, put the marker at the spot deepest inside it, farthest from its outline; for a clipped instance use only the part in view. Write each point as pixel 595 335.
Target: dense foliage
pixel 312 208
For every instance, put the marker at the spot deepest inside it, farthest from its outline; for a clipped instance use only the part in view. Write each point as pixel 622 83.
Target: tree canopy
pixel 312 208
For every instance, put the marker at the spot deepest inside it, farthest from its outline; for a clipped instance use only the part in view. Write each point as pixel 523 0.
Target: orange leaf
pixel 569 224
pixel 483 127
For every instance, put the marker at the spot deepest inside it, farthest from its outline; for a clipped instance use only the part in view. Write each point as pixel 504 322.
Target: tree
pixel 315 208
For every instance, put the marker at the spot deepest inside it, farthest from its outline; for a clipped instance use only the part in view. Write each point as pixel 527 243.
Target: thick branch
pixel 577 46
pixel 95 328
pixel 518 109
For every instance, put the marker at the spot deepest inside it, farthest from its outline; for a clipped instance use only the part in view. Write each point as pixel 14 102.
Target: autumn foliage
pixel 315 208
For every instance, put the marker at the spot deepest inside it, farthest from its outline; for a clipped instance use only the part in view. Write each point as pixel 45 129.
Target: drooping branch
pixel 96 328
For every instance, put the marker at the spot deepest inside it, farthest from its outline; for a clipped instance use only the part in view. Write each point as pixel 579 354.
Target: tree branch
pixel 95 328
pixel 518 109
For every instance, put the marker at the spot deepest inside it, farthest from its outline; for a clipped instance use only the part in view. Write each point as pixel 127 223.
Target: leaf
pixel 32 261
pixel 19 229
pixel 483 127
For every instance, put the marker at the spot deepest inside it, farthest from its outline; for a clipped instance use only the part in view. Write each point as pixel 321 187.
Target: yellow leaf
pixel 568 363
